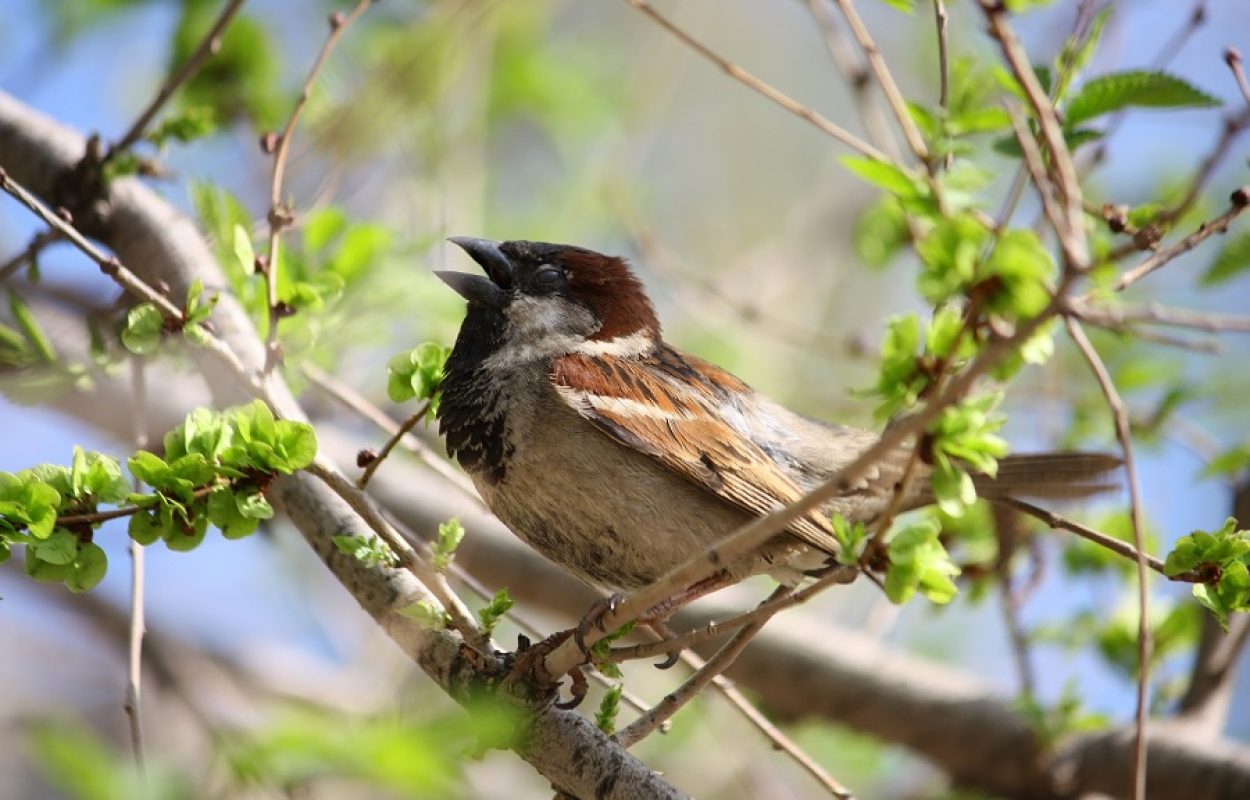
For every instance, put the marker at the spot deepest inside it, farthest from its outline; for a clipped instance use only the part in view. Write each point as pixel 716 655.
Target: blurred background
pixel 585 123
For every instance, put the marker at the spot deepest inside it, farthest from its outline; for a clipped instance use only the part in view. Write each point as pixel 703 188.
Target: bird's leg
pixel 594 619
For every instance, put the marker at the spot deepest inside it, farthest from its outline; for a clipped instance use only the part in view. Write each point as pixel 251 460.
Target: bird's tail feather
pixel 1050 475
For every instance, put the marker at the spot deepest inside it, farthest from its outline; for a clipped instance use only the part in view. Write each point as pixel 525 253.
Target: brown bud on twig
pixel 366 457
pixel 111 266
pixel 1240 197
pixel 280 216
pixel 1232 57
pixel 63 213
pixel 262 264
pixel 269 143
pixel 283 309
pixel 1148 237
pixel 336 20
pixel 1116 217
pixel 162 286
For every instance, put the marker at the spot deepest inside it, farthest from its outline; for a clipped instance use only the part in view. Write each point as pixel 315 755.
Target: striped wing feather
pixel 681 425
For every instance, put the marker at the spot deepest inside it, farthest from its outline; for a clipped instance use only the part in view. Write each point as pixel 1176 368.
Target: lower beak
pixel 491 290
pixel 474 288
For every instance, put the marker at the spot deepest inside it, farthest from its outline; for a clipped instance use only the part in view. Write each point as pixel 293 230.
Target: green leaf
pixel 852 538
pixel 495 610
pixel 881 232
pixel 30 329
pixel 886 176
pixel 245 256
pixel 298 441
pixel 609 708
pixel 370 550
pixel 919 562
pixel 952 486
pixel 323 226
pixel 417 373
pixel 187 126
pixel 89 569
pixel 150 468
pixel 428 615
pixel 1140 88
pixel 1229 462
pixel 144 325
pixel 450 533
pixel 145 528
pixel 61 547
pixel 253 505
pixel 905 6
pixel 1233 259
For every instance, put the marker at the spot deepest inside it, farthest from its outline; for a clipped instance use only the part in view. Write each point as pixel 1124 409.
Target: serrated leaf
pixel 1138 88
pixel 253 506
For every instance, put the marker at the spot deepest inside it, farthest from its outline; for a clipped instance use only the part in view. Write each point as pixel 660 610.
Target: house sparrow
pixel 619 457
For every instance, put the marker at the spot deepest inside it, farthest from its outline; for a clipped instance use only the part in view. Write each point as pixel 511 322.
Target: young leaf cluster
pixel 214 470
pixel 417 373
pixel 145 323
pixel 1222 559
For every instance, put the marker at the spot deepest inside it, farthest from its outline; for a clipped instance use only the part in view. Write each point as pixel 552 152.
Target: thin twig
pixel 279 216
pixel 28 255
pixel 1160 258
pixel 895 99
pixel 1232 57
pixel 1036 167
pixel 1154 314
pixel 673 701
pixel 399 434
pixel 207 47
pixel 747 79
pixel 856 76
pixel 113 268
pixel 1117 546
pixel 713 630
pixel 359 404
pixel 1123 433
pixel 1072 235
pixel 134 650
pixel 363 505
pixel 941 21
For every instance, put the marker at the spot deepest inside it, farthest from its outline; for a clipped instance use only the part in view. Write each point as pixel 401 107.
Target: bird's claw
pixel 594 619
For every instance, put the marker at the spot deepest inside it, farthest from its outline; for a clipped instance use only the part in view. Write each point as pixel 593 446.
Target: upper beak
pixel 491 290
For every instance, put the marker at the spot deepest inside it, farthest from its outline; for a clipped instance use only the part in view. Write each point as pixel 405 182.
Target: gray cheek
pixel 542 327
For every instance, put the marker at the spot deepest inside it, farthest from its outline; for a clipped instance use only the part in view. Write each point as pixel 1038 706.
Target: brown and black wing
pixel 673 408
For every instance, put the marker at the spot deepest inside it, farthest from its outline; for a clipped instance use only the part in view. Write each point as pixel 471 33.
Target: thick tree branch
pixel 159 243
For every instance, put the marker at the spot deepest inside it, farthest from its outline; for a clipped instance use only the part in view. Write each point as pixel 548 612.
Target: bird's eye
pixel 548 278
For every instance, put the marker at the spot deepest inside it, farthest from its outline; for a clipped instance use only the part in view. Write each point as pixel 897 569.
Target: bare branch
pixel 747 79
pixel 1161 258
pixel 673 701
pixel 134 651
pixel 399 434
pixel 279 216
pixel 1120 416
pixel 1072 236
pixel 207 48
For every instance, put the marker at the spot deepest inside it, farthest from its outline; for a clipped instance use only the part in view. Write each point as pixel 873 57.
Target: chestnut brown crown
pixel 603 285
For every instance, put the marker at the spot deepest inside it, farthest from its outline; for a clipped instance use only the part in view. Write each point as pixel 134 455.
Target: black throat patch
pixel 470 414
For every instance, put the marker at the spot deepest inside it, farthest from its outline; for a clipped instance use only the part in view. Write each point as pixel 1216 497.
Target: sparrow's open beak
pixel 491 290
